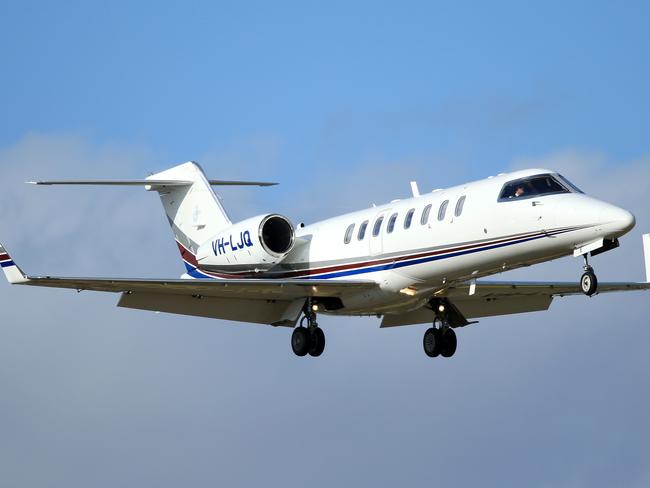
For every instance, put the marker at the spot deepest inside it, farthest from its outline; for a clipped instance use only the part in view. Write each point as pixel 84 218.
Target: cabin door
pixel 376 231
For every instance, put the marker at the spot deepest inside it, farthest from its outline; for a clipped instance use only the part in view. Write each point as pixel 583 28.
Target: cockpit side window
pixel 532 186
pixel 569 184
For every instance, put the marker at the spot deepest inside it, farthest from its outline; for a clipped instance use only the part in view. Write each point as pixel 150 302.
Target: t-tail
pixel 193 209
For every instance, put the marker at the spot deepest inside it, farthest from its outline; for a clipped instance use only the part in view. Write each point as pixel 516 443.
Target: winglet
pixel 12 272
pixel 646 253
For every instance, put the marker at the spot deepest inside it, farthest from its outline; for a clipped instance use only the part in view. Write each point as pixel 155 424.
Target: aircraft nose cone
pixel 620 220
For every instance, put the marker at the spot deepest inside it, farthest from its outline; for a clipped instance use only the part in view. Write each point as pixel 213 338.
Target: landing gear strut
pixel 440 340
pixel 310 339
pixel 588 281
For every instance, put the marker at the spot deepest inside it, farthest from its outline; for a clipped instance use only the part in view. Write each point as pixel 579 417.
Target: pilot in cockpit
pixel 520 191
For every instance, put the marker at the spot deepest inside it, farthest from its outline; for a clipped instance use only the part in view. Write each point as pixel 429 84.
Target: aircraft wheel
pixel 432 342
pixel 589 283
pixel 300 341
pixel 449 342
pixel 317 342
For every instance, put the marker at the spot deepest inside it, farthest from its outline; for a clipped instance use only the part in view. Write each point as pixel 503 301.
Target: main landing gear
pixel 310 339
pixel 440 340
pixel 588 281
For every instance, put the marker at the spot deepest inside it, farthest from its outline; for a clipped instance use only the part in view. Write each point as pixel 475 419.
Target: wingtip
pixel 11 270
pixel 646 254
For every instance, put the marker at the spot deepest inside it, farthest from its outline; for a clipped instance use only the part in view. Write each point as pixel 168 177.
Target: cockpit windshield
pixel 534 186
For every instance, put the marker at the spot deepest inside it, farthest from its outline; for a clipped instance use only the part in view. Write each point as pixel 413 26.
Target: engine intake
pixel 276 234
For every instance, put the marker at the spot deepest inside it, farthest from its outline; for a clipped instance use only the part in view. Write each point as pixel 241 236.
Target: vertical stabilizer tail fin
pixel 646 253
pixel 193 209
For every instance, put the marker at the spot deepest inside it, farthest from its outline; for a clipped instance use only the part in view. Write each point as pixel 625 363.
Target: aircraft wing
pixel 223 288
pixel 277 302
pixel 493 298
pixel 499 289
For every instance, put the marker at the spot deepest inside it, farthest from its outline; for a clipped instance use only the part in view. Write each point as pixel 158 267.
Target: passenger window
pixel 391 223
pixel 459 206
pixel 362 230
pixel 408 218
pixel 377 228
pixel 424 220
pixel 443 210
pixel 348 234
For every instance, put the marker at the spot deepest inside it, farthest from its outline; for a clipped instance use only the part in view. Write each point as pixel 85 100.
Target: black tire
pixel 431 342
pixel 449 343
pixel 317 342
pixel 300 341
pixel 589 283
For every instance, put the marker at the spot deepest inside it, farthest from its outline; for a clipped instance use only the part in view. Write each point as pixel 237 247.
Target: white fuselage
pixel 485 237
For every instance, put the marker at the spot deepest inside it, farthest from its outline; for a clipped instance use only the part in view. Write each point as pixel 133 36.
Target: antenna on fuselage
pixel 414 189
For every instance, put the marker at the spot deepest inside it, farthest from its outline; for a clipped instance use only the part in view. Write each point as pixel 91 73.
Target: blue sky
pixel 344 103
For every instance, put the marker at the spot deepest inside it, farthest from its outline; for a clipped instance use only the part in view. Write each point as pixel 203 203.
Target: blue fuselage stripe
pixel 196 273
pixel 414 262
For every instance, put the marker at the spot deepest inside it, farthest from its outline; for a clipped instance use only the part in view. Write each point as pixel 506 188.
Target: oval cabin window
pixel 425 215
pixel 391 223
pixel 459 206
pixel 362 230
pixel 409 218
pixel 348 234
pixel 377 228
pixel 443 210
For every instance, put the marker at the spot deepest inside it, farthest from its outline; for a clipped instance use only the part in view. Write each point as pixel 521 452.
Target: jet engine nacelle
pixel 254 244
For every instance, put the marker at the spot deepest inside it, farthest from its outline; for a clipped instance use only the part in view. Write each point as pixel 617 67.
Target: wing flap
pixel 472 307
pixel 274 312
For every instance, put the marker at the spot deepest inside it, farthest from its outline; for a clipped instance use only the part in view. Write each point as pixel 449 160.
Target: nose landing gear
pixel 588 281
pixel 310 339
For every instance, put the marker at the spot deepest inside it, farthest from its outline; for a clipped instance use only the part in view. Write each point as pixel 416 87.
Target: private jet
pixel 420 260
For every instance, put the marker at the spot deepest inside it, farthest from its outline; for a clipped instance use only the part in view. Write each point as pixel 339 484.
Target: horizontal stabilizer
pixel 149 182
